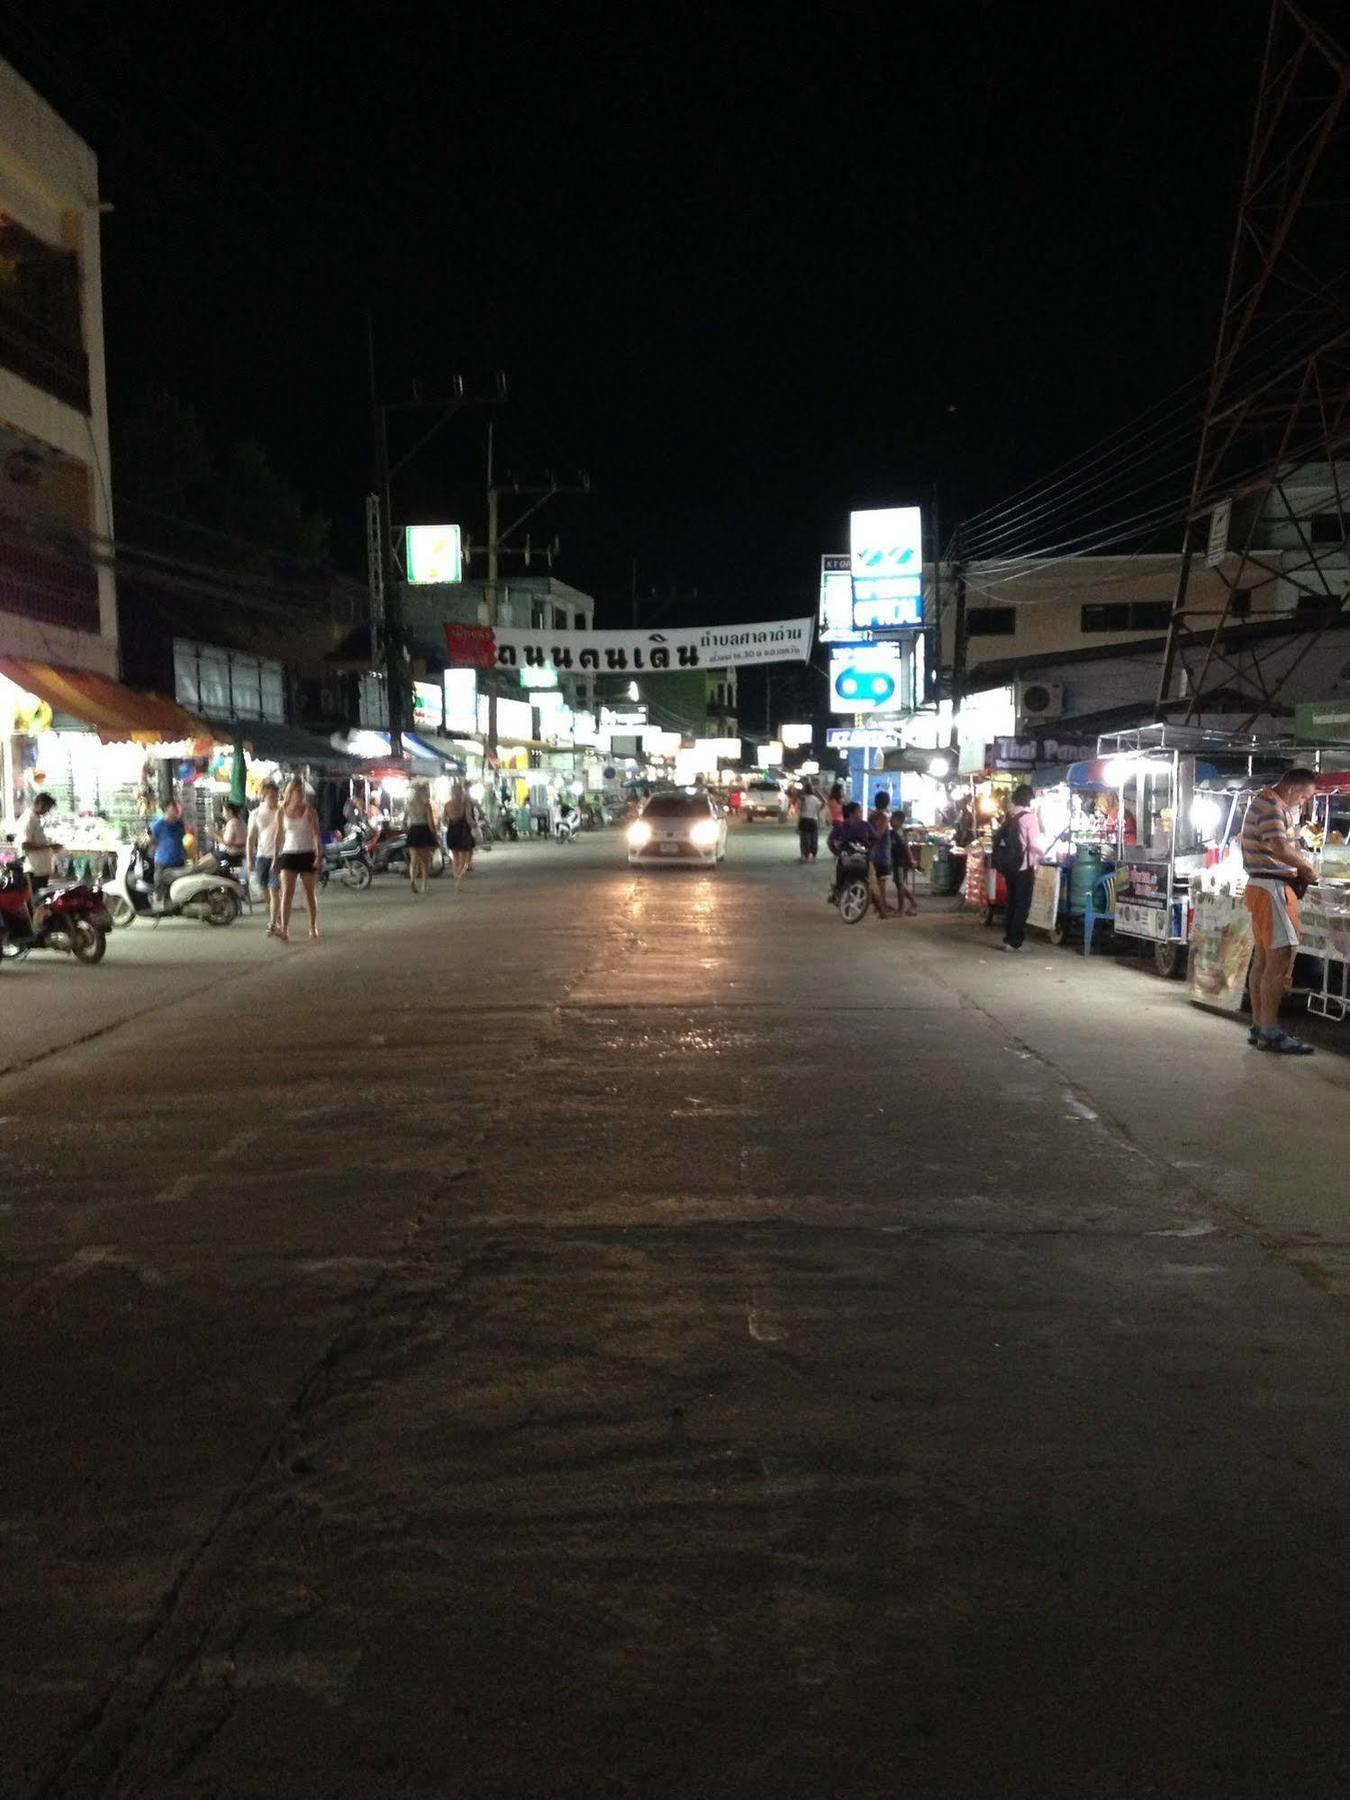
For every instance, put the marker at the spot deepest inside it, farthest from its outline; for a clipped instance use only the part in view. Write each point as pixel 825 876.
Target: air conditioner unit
pixel 1038 700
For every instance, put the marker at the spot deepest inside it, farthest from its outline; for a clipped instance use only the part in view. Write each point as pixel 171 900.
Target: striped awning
pixel 118 714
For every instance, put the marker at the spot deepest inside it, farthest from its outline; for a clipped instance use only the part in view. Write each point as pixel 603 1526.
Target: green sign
pixel 1323 722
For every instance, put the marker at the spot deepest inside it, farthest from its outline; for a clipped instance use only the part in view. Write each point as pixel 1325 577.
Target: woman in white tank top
pixel 299 847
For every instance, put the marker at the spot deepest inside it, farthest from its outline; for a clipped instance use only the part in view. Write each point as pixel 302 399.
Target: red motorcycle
pixel 73 920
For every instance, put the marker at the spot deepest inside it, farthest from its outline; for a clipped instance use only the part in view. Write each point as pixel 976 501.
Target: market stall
pixel 104 752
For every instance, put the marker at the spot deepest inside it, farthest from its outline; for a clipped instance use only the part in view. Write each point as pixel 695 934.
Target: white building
pixel 57 602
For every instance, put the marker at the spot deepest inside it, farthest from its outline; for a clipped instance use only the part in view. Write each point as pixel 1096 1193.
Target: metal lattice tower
pixel 1274 456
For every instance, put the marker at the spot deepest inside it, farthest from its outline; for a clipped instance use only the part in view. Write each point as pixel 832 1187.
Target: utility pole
pixel 958 646
pixel 499 544
pixel 386 575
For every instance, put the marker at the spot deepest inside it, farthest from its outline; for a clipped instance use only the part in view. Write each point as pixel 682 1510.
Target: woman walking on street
pixel 902 862
pixel 459 831
pixel 299 845
pixel 262 850
pixel 419 819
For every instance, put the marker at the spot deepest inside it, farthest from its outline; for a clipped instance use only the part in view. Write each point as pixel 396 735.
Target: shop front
pixel 107 755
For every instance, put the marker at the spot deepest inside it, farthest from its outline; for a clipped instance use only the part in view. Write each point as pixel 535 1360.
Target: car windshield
pixel 676 806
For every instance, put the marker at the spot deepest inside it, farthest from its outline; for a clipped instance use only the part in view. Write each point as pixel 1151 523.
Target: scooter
pixel 202 892
pixel 850 892
pixel 73 920
pixel 567 826
pixel 390 856
pixel 350 860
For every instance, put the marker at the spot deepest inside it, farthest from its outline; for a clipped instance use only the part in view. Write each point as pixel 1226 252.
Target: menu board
pixel 1221 951
pixel 1045 898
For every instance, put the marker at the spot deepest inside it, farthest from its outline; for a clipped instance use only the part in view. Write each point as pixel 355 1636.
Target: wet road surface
pixel 601 1334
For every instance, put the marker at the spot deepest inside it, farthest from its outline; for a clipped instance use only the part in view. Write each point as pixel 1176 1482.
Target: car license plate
pixel 669 849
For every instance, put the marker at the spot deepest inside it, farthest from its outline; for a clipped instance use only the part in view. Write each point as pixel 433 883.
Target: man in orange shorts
pixel 1274 864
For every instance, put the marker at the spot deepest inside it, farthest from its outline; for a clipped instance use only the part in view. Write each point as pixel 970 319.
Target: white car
pixel 764 800
pixel 683 827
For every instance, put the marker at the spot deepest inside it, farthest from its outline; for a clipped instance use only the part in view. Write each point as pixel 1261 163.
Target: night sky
pixel 747 275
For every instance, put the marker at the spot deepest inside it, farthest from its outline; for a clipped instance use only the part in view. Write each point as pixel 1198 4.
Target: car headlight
pixel 704 834
pixel 639 833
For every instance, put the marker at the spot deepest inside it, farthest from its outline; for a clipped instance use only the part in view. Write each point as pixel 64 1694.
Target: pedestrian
pixel 1023 834
pixel 168 834
pixel 232 838
pixel 1277 873
pixel 809 809
pixel 834 806
pixel 459 839
pixel 261 850
pixel 299 849
pixel 36 848
pixel 419 819
pixel 879 823
pixel 902 864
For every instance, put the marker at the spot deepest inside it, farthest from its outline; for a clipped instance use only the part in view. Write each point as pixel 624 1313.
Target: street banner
pixel 642 652
pixel 1221 951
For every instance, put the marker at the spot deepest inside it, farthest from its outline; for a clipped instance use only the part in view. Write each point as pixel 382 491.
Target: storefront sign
pixel 1016 753
pixel 1221 951
pixel 433 553
pixel 886 563
pixel 862 737
pixel 1324 923
pixel 461 701
pixel 795 736
pixel 428 705
pixel 866 678
pixel 1219 522
pixel 1044 911
pixel 1143 899
pixel 836 598
pixel 1322 722
pixel 649 652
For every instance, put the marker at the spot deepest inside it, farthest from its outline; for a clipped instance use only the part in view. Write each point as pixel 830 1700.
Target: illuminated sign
pixel 769 756
pixel 886 566
pixel 861 737
pixel 428 705
pixel 836 598
pixel 539 679
pixel 795 737
pixel 461 700
pixel 866 678
pixel 433 553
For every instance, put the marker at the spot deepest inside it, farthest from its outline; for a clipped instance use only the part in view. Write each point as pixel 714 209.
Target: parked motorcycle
pixel 390 856
pixel 350 860
pixel 851 893
pixel 203 891
pixel 73 920
pixel 566 826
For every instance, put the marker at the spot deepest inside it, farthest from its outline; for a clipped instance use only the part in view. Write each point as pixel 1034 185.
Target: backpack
pixel 1008 848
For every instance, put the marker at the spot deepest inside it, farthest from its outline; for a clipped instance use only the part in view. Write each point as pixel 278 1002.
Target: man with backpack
pixel 1015 855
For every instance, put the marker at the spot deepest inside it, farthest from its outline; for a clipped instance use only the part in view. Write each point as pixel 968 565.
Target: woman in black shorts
pixel 419 821
pixel 299 847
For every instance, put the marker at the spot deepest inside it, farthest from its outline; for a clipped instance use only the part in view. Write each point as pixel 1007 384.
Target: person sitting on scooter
pixel 167 833
pixel 852 832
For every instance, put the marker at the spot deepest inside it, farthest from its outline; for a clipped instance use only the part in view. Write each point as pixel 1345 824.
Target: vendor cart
pixel 1161 838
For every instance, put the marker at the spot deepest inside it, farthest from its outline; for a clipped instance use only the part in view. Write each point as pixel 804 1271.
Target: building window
pixel 1326 528
pixel 40 336
pixel 581 622
pixel 1240 603
pixel 1318 606
pixel 559 619
pixel 226 684
pixel 991 621
pixel 536 618
pixel 1126 615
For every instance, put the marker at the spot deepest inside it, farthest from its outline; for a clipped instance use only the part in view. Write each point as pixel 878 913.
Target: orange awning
pixel 118 714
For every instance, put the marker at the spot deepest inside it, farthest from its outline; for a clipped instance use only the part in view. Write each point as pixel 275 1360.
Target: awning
pixel 289 745
pixel 118 714
pixel 445 747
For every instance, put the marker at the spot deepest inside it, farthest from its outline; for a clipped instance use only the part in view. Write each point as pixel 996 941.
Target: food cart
pixel 1165 831
pixel 1221 930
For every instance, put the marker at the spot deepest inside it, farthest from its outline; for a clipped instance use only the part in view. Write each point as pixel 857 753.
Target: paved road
pixel 591 1335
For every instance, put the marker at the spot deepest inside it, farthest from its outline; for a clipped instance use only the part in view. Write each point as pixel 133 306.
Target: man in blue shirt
pixel 170 854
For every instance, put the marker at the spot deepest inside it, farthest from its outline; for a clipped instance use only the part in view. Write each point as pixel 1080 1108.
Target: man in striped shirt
pixel 1274 863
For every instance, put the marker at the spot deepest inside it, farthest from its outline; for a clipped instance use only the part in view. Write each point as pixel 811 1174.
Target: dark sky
pixel 747 274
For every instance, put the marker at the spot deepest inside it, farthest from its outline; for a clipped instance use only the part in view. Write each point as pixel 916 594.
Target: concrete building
pixel 57 602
